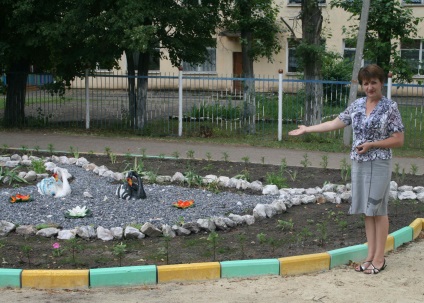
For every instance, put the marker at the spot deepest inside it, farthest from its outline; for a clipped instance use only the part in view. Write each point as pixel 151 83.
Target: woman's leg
pixel 370 232
pixel 381 232
pixel 376 229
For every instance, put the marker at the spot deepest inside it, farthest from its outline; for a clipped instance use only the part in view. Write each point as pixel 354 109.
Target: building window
pixel 413 1
pixel 349 51
pixel 208 66
pixel 292 62
pixel 154 63
pixel 412 51
pixel 300 1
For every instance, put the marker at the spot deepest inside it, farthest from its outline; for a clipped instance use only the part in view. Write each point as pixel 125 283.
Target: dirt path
pixel 400 282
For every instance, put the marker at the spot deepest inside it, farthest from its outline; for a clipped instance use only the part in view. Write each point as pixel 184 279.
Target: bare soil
pixel 315 227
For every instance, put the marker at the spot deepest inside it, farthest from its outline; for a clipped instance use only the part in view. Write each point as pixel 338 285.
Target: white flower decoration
pixel 78 211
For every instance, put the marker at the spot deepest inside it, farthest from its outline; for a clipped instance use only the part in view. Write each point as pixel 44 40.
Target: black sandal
pixel 374 270
pixel 362 267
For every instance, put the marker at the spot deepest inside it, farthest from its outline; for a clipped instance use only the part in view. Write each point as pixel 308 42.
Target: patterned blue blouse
pixel 382 122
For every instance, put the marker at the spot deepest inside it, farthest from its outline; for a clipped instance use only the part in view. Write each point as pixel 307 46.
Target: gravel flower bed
pixel 110 211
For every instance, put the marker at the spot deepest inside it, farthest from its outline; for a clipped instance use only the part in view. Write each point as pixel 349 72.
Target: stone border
pixel 288 197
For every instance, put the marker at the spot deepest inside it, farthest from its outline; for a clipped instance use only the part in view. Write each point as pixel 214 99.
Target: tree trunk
pixel 142 86
pixel 131 87
pixel 249 100
pixel 311 34
pixel 16 78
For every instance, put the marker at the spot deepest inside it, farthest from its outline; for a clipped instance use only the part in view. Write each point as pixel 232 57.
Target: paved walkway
pixel 156 147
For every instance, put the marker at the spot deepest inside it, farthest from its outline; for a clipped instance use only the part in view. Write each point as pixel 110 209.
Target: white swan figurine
pixel 56 186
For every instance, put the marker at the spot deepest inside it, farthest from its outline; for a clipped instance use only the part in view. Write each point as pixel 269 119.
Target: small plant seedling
pixel 324 162
pixel 261 238
pixel 286 225
pixel 225 156
pixel 37 148
pixel 242 240
pixel 190 154
pixel 38 166
pixel 24 149
pixel 50 148
pixel 213 239
pixel 246 160
pixel 27 250
pixel 414 169
pixel 119 251
pixel 108 151
pixel 263 160
pixel 176 155
pixel 112 158
pixel 305 162
pixel 5 148
pixel 208 156
pixel 143 152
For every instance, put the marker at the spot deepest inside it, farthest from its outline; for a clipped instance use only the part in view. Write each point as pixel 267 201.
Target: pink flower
pixel 56 245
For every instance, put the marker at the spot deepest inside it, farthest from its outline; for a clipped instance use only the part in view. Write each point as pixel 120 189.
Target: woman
pixel 377 127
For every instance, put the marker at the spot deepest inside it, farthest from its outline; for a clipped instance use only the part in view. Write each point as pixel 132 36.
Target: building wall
pixel 334 20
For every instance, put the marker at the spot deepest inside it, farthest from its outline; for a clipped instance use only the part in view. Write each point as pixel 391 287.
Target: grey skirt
pixel 370 187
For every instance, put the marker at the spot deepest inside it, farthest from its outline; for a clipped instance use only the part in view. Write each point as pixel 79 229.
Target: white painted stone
pixel 407 195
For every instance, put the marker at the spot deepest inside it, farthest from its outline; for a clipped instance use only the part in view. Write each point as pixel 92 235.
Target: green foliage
pixel 119 250
pixel 9 176
pixel 50 148
pixel 258 17
pixel 27 250
pixel 276 179
pixel 213 239
pixel 285 225
pixel 74 247
pixel 389 21
pixel 324 162
pixel 38 166
pixel 305 162
pixel 345 170
pixel 193 179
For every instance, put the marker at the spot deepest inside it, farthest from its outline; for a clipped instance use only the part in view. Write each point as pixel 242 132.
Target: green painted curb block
pixel 244 268
pixel 120 276
pixel 402 236
pixel 344 255
pixel 10 277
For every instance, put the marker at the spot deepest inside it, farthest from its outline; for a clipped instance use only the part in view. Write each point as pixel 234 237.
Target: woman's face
pixel 373 88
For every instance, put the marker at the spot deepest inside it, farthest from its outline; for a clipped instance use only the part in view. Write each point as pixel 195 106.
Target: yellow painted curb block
pixel 304 264
pixel 189 272
pixel 417 226
pixel 390 244
pixel 55 278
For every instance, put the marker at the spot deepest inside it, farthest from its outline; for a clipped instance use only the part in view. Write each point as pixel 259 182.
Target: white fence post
pixel 389 86
pixel 180 101
pixel 87 100
pixel 280 104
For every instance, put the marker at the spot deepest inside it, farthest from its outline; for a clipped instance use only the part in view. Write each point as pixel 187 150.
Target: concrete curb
pixel 152 274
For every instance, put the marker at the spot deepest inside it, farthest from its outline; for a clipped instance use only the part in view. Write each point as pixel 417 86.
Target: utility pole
pixel 347 134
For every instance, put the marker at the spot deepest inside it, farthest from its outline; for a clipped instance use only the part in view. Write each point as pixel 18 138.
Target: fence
pixel 210 106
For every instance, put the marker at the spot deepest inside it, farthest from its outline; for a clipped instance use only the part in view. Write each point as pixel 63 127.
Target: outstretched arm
pixel 318 128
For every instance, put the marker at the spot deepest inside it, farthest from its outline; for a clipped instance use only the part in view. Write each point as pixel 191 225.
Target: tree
pixel 388 23
pixel 67 37
pixel 310 51
pixel 256 21
pixel 171 28
pixel 64 37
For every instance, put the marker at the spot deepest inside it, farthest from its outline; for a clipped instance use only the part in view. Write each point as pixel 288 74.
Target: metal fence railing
pixel 211 106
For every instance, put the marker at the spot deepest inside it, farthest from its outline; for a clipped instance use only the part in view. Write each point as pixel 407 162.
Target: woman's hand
pixel 297 132
pixel 363 148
